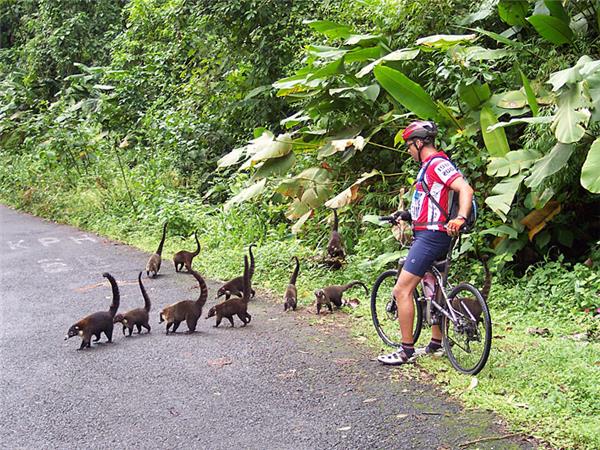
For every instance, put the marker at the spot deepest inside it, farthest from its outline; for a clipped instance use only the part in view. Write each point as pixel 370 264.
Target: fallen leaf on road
pixel 219 362
pixel 401 416
pixel 344 428
pixel 302 351
pixel 369 400
pixel 474 383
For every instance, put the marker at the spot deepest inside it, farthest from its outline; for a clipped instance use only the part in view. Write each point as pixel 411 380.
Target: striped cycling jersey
pixel 439 176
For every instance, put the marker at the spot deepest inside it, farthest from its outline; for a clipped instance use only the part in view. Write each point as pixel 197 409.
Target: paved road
pixel 288 385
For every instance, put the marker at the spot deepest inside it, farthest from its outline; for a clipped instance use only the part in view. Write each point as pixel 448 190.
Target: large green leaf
pixel 368 92
pixel 330 29
pixel 315 197
pixel 363 54
pixel 513 12
pixel 512 163
pixel 499 38
pixel 406 92
pixel 474 94
pixel 551 29
pixel 280 146
pixel 246 194
pixel 358 39
pixel 349 194
pixel 504 194
pixel 403 54
pixel 569 76
pixel 276 166
pixel 531 100
pixel 495 141
pixel 538 119
pixel 557 10
pixel 477 53
pixel 590 172
pixel 333 68
pixel 445 41
pixel 551 163
pixel 572 116
pixel 326 52
pixel 231 158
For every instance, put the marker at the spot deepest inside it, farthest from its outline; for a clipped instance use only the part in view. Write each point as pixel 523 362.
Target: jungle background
pixel 249 120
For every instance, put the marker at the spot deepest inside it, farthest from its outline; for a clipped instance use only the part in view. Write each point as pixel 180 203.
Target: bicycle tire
pixel 386 324
pixel 466 346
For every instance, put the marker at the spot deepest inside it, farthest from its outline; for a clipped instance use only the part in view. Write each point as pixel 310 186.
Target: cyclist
pixel 432 229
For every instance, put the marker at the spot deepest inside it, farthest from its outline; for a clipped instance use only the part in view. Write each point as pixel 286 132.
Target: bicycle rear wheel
pixel 468 340
pixel 384 311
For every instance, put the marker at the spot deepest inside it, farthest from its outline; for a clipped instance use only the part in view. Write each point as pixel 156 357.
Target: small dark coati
pixel 334 247
pixel 333 294
pixel 470 303
pixel 235 286
pixel 185 258
pixel 235 306
pixel 188 310
pixel 290 297
pixel 99 322
pixel 153 264
pixel 136 317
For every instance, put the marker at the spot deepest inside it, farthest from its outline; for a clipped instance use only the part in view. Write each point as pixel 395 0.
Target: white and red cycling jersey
pixel 439 175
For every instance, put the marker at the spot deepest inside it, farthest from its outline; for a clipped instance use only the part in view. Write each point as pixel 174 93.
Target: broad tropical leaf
pixel 339 145
pixel 495 141
pixel 276 166
pixel 572 117
pixel 551 163
pixel 406 92
pixel 513 12
pixel 445 41
pixel 505 193
pixel 330 29
pixel 557 10
pixel 474 94
pixel 350 194
pixel 531 100
pixel 246 194
pixel 403 54
pixel 512 163
pixel 590 172
pixel 552 29
pixel 298 225
pixel 537 219
pixel 539 119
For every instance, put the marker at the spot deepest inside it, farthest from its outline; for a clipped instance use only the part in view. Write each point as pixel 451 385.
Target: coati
pixel 188 310
pixel 99 322
pixel 236 285
pixel 334 247
pixel 470 303
pixel 136 317
pixel 333 294
pixel 185 258
pixel 290 297
pixel 153 264
pixel 235 306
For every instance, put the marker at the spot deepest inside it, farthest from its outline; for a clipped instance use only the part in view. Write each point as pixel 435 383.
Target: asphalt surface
pixel 279 383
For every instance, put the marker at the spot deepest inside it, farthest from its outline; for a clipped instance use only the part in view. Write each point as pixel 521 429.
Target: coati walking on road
pixel 185 258
pixel 99 322
pixel 290 297
pixel 136 317
pixel 188 310
pixel 334 247
pixel 153 264
pixel 236 285
pixel 333 294
pixel 235 306
pixel 470 303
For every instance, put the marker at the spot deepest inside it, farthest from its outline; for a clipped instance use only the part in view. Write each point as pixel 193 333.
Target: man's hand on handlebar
pixel 398 215
pixel 453 227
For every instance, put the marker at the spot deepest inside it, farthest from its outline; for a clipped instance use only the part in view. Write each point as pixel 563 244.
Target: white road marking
pixel 54 265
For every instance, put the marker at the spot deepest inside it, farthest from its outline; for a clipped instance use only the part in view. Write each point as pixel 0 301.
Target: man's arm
pixel 465 200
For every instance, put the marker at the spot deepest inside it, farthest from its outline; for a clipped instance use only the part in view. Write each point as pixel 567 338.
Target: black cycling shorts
pixel 428 246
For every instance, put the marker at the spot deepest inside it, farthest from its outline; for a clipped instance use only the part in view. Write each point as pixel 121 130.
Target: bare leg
pixel 403 293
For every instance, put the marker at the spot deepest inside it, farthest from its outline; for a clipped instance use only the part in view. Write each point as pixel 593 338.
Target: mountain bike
pixel 460 310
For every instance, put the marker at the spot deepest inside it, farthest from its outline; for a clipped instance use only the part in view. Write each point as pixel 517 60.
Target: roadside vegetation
pixel 248 121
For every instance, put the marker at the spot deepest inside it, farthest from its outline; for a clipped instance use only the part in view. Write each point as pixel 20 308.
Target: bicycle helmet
pixel 420 129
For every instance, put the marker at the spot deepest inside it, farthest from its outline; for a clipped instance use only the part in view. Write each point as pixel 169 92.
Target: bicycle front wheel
pixel 467 340
pixel 384 311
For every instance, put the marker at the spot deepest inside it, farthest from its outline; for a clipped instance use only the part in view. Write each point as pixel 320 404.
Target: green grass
pixel 545 386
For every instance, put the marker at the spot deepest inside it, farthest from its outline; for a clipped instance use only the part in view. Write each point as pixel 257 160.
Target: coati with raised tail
pixel 470 303
pixel 334 247
pixel 184 258
pixel 136 317
pixel 333 294
pixel 98 322
pixel 153 264
pixel 236 285
pixel 290 297
pixel 188 310
pixel 235 306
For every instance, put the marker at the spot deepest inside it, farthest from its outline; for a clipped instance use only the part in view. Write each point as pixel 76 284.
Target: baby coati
pixel 470 303
pixel 99 322
pixel 235 306
pixel 188 310
pixel 185 258
pixel 136 317
pixel 153 264
pixel 334 247
pixel 236 285
pixel 333 294
pixel 290 297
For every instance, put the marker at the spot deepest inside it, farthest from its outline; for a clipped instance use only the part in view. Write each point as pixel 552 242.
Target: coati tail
pixel 147 304
pixel 203 288
pixel 251 259
pixel 162 240
pixel 114 306
pixel 335 220
pixel 356 283
pixel 197 252
pixel 296 270
pixel 247 281
pixel 487 284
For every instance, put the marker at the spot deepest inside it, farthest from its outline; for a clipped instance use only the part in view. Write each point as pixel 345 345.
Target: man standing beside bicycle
pixel 437 181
